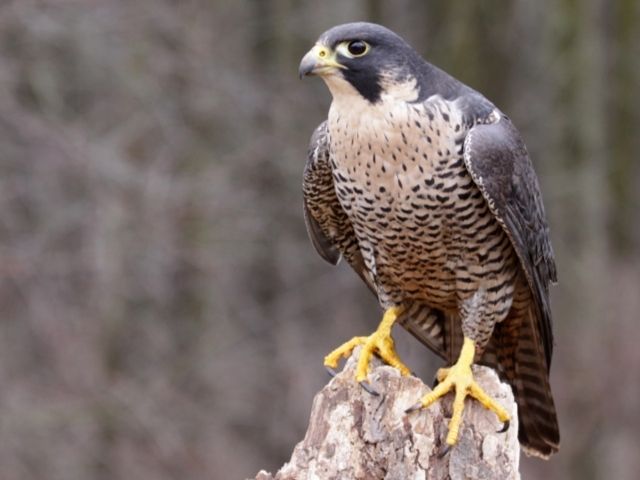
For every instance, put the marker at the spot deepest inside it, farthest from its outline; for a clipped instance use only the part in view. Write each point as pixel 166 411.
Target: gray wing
pixel 328 226
pixel 499 164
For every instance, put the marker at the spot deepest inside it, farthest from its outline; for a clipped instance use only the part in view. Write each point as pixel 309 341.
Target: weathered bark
pixel 355 435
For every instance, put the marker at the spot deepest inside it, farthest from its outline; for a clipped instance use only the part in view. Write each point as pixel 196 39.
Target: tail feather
pixel 515 351
pixel 523 361
pixel 427 325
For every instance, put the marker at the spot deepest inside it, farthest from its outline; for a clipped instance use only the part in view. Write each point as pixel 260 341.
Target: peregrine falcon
pixel 426 189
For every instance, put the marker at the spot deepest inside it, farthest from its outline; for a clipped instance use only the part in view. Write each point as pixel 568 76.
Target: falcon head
pixel 364 59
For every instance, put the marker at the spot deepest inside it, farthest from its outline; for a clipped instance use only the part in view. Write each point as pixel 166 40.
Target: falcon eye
pixel 357 48
pixel 353 48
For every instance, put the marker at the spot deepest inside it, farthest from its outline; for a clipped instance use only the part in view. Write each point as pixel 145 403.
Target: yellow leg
pixel 379 342
pixel 460 377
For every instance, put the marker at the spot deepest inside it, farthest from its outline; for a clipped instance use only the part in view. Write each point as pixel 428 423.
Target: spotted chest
pixel 422 225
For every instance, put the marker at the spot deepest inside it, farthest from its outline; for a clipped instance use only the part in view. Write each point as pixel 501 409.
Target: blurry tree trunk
pixel 577 127
pixel 623 34
pixel 374 11
pixel 353 434
pixel 578 134
pixel 261 173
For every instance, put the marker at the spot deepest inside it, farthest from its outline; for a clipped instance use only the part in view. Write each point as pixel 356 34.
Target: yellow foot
pixel 379 342
pixel 460 377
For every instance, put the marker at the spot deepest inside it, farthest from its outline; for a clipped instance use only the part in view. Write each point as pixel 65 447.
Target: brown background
pixel 163 315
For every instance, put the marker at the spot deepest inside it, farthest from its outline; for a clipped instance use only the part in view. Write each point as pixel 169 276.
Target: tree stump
pixel 353 434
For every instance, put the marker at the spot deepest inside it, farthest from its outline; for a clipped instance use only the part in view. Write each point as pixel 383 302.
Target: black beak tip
pixel 307 65
pixel 303 71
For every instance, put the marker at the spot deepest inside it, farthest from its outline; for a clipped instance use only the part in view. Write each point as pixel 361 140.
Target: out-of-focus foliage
pixel 162 312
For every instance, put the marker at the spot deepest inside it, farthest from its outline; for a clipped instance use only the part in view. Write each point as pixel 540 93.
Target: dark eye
pixel 357 48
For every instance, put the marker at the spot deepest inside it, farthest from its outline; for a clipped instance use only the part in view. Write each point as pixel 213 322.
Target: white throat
pixel 392 91
pixel 349 103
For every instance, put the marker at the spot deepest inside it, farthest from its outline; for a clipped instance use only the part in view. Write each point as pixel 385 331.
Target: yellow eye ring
pixel 353 48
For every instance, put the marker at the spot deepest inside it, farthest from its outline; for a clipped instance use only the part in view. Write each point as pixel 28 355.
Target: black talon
pixel 505 427
pixel 414 407
pixel 369 389
pixel 445 449
pixel 332 373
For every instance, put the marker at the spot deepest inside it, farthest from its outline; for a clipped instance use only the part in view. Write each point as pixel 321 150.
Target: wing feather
pixel 328 226
pixel 499 164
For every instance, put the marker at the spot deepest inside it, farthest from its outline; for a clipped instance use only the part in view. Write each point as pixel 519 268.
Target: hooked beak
pixel 320 60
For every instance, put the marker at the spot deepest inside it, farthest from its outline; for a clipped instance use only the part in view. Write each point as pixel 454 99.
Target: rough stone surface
pixel 355 435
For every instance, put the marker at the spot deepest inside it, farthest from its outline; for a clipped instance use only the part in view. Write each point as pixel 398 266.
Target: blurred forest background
pixel 163 315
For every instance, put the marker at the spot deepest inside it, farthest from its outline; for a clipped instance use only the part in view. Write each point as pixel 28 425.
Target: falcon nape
pixel 427 191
